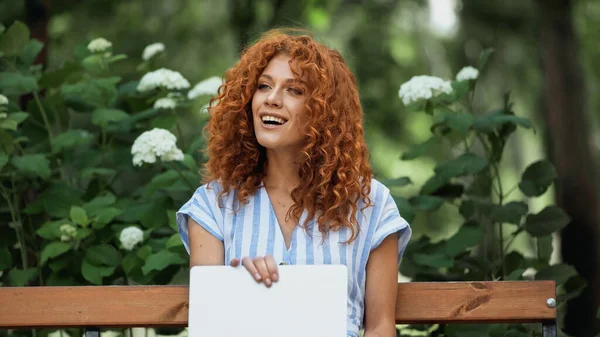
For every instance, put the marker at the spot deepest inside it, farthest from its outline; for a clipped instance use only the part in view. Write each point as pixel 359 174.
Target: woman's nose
pixel 274 98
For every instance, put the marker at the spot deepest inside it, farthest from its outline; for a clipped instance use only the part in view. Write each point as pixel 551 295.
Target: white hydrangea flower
pixel 209 86
pixel 422 88
pixel 152 50
pixel 99 45
pixel 165 103
pixel 3 100
pixel 467 73
pixel 130 237
pixel 156 143
pixel 3 115
pixel 164 78
pixel 67 232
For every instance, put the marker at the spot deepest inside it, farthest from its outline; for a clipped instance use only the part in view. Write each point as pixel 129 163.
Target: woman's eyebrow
pixel 288 80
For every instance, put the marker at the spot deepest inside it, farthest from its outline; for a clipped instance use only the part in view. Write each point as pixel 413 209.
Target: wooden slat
pixel 138 306
pixel 475 302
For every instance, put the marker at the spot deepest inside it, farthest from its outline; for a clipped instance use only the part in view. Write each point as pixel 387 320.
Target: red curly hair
pixel 335 172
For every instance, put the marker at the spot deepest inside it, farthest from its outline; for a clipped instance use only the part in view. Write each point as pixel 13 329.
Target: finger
pixel 261 266
pixel 272 267
pixel 246 262
pixel 234 262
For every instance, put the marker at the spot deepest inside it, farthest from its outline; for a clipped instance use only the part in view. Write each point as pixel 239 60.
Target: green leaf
pixel 94 274
pixel 3 160
pixel 398 182
pixel 560 273
pixel 143 252
pixel 189 162
pixel 31 51
pixel 468 163
pixel 468 236
pixel 59 198
pixel 537 177
pixel 460 122
pixel 103 255
pixel 171 215
pixel 50 230
pixel 174 241
pixel 79 216
pixel 20 278
pixel 56 77
pixel 164 122
pixel 71 139
pixel 516 275
pixel 15 39
pixel 18 117
pixel 116 58
pixel 33 165
pixel 5 259
pixel 161 181
pixel 420 149
pixel 510 213
pixel 484 57
pixel 406 210
pixel 97 171
pixel 54 249
pixel 433 260
pixel 105 216
pixel 17 84
pixel 426 202
pixel 102 117
pixel 83 233
pixel 544 248
pixel 161 260
pixel 459 90
pixel 7 124
pixel 490 122
pixel 91 93
pixel 131 262
pixel 551 219
pixel 6 142
pixel 60 263
pixel 99 203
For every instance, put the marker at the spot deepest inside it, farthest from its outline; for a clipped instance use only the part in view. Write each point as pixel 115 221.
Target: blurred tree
pixel 565 107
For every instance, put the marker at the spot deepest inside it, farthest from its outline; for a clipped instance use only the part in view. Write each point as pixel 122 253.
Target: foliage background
pixel 385 42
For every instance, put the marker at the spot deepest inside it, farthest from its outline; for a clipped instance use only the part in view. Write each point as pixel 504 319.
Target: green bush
pixel 470 181
pixel 79 165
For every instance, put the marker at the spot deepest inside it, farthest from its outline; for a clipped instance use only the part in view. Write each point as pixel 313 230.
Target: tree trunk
pixel 564 102
pixel 37 15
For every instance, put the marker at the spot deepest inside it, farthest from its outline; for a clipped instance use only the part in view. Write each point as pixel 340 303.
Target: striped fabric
pixel 254 231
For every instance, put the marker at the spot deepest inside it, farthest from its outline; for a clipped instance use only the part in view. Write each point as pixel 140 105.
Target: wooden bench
pixel 94 307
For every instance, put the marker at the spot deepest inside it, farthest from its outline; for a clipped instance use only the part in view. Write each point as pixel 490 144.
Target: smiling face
pixel 278 106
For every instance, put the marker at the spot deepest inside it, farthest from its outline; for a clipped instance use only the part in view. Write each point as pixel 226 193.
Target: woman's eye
pixel 263 87
pixel 295 91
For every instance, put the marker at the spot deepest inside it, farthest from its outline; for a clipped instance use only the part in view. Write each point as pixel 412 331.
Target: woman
pixel 288 179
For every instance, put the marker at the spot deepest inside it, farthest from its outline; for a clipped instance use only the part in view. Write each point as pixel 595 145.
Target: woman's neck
pixel 282 171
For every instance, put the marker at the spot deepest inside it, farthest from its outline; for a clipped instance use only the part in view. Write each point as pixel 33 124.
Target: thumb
pixel 234 262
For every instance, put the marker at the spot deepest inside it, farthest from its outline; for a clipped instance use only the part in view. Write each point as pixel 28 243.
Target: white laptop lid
pixel 308 300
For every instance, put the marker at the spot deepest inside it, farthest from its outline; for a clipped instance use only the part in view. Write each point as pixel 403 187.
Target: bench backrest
pixel 153 306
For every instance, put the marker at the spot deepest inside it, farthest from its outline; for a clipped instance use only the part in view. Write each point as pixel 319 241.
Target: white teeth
pixel 272 119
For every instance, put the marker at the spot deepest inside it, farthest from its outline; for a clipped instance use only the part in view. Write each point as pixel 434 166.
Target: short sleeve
pixel 391 222
pixel 201 208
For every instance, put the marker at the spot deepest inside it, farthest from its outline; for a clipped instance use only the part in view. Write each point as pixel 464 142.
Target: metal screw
pixel 551 303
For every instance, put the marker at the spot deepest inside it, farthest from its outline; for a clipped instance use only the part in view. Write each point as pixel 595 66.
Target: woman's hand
pixel 262 268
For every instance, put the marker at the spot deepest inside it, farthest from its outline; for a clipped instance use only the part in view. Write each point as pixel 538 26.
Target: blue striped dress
pixel 254 231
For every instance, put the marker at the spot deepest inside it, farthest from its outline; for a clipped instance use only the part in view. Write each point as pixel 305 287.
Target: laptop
pixel 308 300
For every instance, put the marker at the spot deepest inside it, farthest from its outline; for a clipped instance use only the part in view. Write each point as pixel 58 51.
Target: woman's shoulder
pixel 378 189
